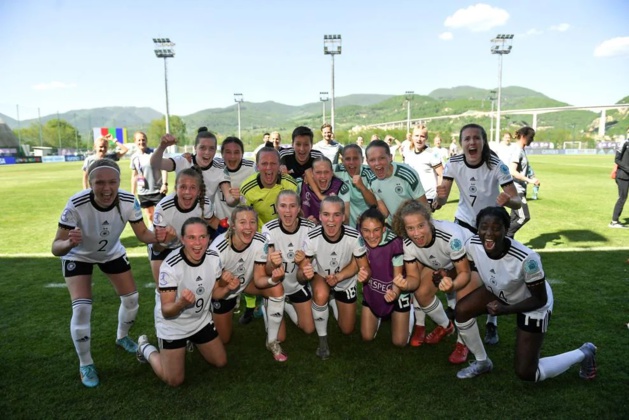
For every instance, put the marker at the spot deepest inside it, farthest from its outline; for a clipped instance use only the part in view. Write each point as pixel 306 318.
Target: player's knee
pixel 321 297
pixel 399 341
pixel 347 329
pixel 174 381
pixel 308 329
pixel 130 301
pixel 221 362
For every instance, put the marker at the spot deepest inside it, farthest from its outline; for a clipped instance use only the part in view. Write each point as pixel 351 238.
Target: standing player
pixel 89 233
pixel 519 168
pixel 285 236
pixel 101 145
pixel 443 152
pixel 622 181
pixel 243 254
pixel 335 259
pixel 188 280
pixel 149 185
pixel 328 146
pixel 479 175
pixel 511 280
pixel 381 298
pixel 426 162
pixel 327 184
pixel 357 178
pixel 432 248
pixel 212 169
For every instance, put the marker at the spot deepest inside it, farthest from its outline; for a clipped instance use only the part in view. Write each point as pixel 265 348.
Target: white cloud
pixel 533 31
pixel 446 36
pixel 562 27
pixel 477 18
pixel 53 85
pixel 613 47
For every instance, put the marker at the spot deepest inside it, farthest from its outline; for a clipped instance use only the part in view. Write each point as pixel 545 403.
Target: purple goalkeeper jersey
pixel 310 203
pixel 381 263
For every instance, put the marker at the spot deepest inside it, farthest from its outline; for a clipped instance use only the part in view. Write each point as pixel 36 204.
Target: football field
pixel 584 260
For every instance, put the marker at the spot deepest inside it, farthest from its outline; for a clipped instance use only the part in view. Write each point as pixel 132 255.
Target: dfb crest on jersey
pixel 456 245
pixel 240 269
pixel 504 169
pixel 290 255
pixel 531 267
pixel 399 190
pixel 104 229
pixel 473 189
pixel 200 290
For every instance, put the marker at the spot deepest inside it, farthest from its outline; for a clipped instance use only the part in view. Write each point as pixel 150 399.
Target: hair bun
pixel 202 130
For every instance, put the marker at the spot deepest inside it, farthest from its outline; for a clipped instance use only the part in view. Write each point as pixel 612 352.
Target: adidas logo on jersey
pixel 492 271
pixel 473 179
pixel 199 278
pixel 241 260
pixel 432 256
pixel 333 253
pixel 105 223
pixel 290 245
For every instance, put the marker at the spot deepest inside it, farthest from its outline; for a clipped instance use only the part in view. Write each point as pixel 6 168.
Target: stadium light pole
pixel 19 134
pixel 409 96
pixel 41 137
pixel 164 49
pixel 501 46
pixel 238 99
pixel 331 47
pixel 492 98
pixel 323 98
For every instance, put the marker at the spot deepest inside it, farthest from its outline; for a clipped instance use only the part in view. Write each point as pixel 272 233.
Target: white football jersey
pixel 332 151
pixel 331 257
pixel 168 213
pixel 478 186
pixel 100 227
pixel 447 246
pixel 424 164
pixel 244 171
pixel 213 175
pixel 287 243
pixel 508 276
pixel 178 273
pixel 241 263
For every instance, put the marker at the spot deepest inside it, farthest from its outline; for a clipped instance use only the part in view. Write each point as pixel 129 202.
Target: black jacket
pixel 622 160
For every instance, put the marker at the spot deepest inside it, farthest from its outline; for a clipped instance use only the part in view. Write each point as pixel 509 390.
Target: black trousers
pixel 623 187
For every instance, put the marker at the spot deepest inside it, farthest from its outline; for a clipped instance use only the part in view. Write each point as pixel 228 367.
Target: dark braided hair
pixel 107 163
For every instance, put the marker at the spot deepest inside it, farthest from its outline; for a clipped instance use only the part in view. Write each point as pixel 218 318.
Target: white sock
pixel 451 298
pixel 147 350
pixel 549 367
pixel 335 309
pixel 126 313
pixel 80 330
pixel 420 316
pixel 289 310
pixel 471 337
pixel 275 314
pixel 436 312
pixel 493 319
pixel 321 315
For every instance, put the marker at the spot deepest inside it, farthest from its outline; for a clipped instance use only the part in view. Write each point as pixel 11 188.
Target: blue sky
pixel 68 55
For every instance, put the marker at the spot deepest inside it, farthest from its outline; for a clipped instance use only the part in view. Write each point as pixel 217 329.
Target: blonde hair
pixel 232 220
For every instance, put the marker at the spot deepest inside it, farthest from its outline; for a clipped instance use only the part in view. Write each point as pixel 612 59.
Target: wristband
pixel 271 282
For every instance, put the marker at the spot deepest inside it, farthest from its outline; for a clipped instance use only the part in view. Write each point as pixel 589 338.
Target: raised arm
pixel 157 158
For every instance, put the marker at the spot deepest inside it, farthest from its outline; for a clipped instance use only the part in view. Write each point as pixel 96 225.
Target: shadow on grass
pixel 565 236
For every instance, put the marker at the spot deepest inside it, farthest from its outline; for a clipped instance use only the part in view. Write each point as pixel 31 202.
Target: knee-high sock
pixel 451 298
pixel 275 314
pixel 420 316
pixel 335 309
pixel 289 309
pixel 321 315
pixel 493 319
pixel 436 312
pixel 80 330
pixel 250 301
pixel 127 313
pixel 549 367
pixel 471 338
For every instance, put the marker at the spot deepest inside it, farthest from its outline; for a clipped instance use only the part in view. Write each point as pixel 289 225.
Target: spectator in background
pixel 276 141
pixel 443 152
pixel 505 149
pixel 360 142
pixel 622 181
pixel 328 146
pixel 374 137
pixel 393 143
pixel 101 145
pixel 150 185
pixel 266 137
pixel 454 148
pixel 519 167
pixel 406 145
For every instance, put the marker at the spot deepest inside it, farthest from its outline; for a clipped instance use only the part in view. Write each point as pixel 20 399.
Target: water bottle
pixel 535 192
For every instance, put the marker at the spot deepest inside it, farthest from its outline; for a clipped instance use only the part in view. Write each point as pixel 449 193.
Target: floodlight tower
pixel 332 46
pixel 323 98
pixel 238 99
pixel 501 45
pixel 409 97
pixel 164 49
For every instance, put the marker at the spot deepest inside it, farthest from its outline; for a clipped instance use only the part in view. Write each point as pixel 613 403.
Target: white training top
pixel 332 151
pixel 178 273
pixel 213 175
pixel 288 243
pixel 478 186
pixel 425 163
pixel 100 227
pixel 168 213
pixel 447 246
pixel 244 171
pixel 508 276
pixel 241 263
pixel 331 257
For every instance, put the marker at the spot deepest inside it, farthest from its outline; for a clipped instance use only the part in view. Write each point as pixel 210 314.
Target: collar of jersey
pixel 290 233
pixel 472 166
pixel 235 170
pixel 196 203
pixel 504 252
pixel 99 208
pixel 194 160
pixel 190 263
pixel 328 239
pixel 279 181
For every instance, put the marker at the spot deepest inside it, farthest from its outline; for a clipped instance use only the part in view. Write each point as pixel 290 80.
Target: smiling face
pixel 326 133
pixel 492 233
pixel 372 232
pixel 288 211
pixel 104 183
pixel 188 190
pixel 195 241
pixel 205 151
pixel 269 168
pixel 472 143
pixel 353 160
pixel 302 146
pixel 331 217
pixel 418 229
pixel 140 141
pixel 232 155
pixel 379 162
pixel 245 225
pixel 100 147
pixel 276 139
pixel 322 172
